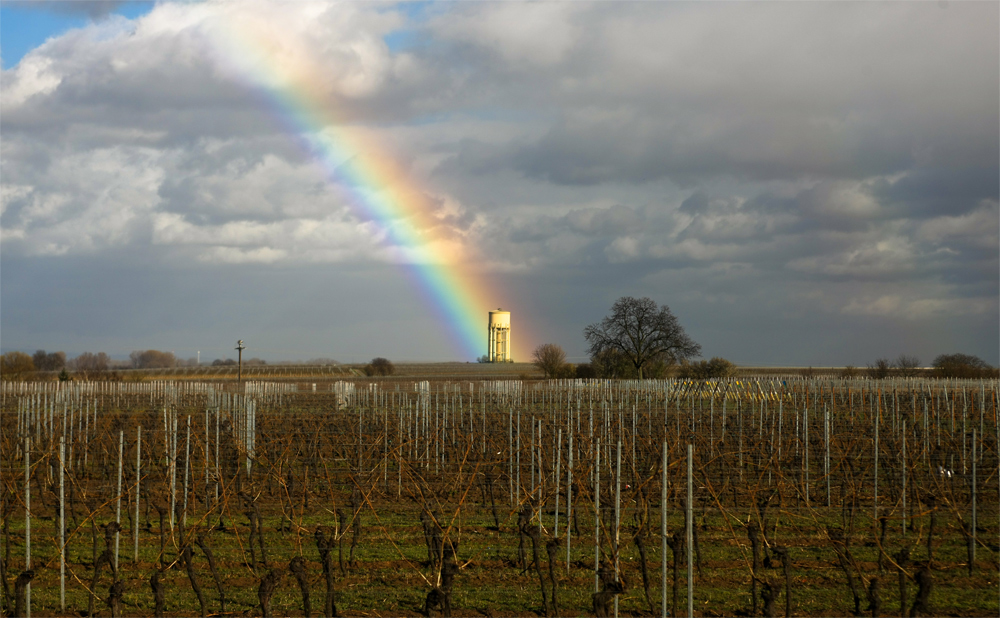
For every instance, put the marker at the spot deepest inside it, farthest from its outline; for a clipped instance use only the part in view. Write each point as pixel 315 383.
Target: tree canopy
pixel 88 362
pixel 15 365
pixel 717 367
pixel 380 367
pixel 49 361
pixel 152 359
pixel 641 332
pixel 550 359
pixel 962 366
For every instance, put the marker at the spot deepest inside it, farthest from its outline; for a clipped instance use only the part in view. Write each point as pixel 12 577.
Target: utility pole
pixel 239 375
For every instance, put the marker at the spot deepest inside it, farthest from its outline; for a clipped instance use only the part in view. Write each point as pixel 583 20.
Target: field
pixel 493 497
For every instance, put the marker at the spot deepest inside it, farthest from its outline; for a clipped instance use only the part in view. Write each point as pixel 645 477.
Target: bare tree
pixel 89 362
pixel 907 366
pixel 14 365
pixel 550 359
pixel 880 370
pixel 642 332
pixel 51 361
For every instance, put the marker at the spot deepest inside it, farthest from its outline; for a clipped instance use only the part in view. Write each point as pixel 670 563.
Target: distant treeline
pixel 19 365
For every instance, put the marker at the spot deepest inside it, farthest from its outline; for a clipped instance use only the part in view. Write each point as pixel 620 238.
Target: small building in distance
pixel 498 340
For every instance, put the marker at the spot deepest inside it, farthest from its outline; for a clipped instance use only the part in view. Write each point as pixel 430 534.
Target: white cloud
pixel 85 202
pixel 973 229
pixel 33 77
pixel 622 249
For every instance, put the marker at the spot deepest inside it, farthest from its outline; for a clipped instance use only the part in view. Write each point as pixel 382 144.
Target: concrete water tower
pixel 498 343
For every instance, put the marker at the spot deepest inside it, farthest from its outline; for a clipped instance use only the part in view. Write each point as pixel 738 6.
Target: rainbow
pixel 437 257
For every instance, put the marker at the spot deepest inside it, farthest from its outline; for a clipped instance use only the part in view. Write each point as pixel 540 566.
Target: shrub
pixel 152 359
pixel 963 366
pixel 849 371
pixel 611 364
pixel 15 365
pixel 567 372
pixel 379 367
pixel 880 370
pixel 717 367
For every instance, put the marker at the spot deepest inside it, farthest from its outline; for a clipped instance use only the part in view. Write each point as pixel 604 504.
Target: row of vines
pixel 501 498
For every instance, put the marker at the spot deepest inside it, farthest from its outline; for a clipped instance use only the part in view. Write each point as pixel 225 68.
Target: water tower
pixel 498 343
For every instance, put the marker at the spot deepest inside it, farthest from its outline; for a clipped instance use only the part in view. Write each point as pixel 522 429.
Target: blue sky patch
pixel 24 26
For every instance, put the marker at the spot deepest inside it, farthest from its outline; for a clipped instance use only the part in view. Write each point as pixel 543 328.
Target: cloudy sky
pixel 802 184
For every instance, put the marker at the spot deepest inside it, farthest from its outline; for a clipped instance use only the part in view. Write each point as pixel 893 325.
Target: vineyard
pixel 753 497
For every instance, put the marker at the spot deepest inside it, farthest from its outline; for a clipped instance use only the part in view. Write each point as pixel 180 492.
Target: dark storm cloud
pixel 936 191
pixel 636 149
pixel 757 92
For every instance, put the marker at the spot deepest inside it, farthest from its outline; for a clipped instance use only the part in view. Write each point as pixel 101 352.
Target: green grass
pixel 382 582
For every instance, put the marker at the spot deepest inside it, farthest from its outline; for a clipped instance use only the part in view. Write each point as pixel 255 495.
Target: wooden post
pixel 597 518
pixel 558 482
pixel 926 434
pixel 569 502
pixel 62 523
pixel 173 471
pixel 805 448
pixel 518 458
pixel 510 446
pixel 208 457
pixel 541 494
pixel 690 528
pixel 972 528
pixel 138 477
pixel 826 457
pixel 904 478
pixel 663 535
pixel 27 522
pixel 618 512
pixel 532 457
pixel 118 506
pixel 875 497
pixel 218 466
pixel 781 421
pixel 187 472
